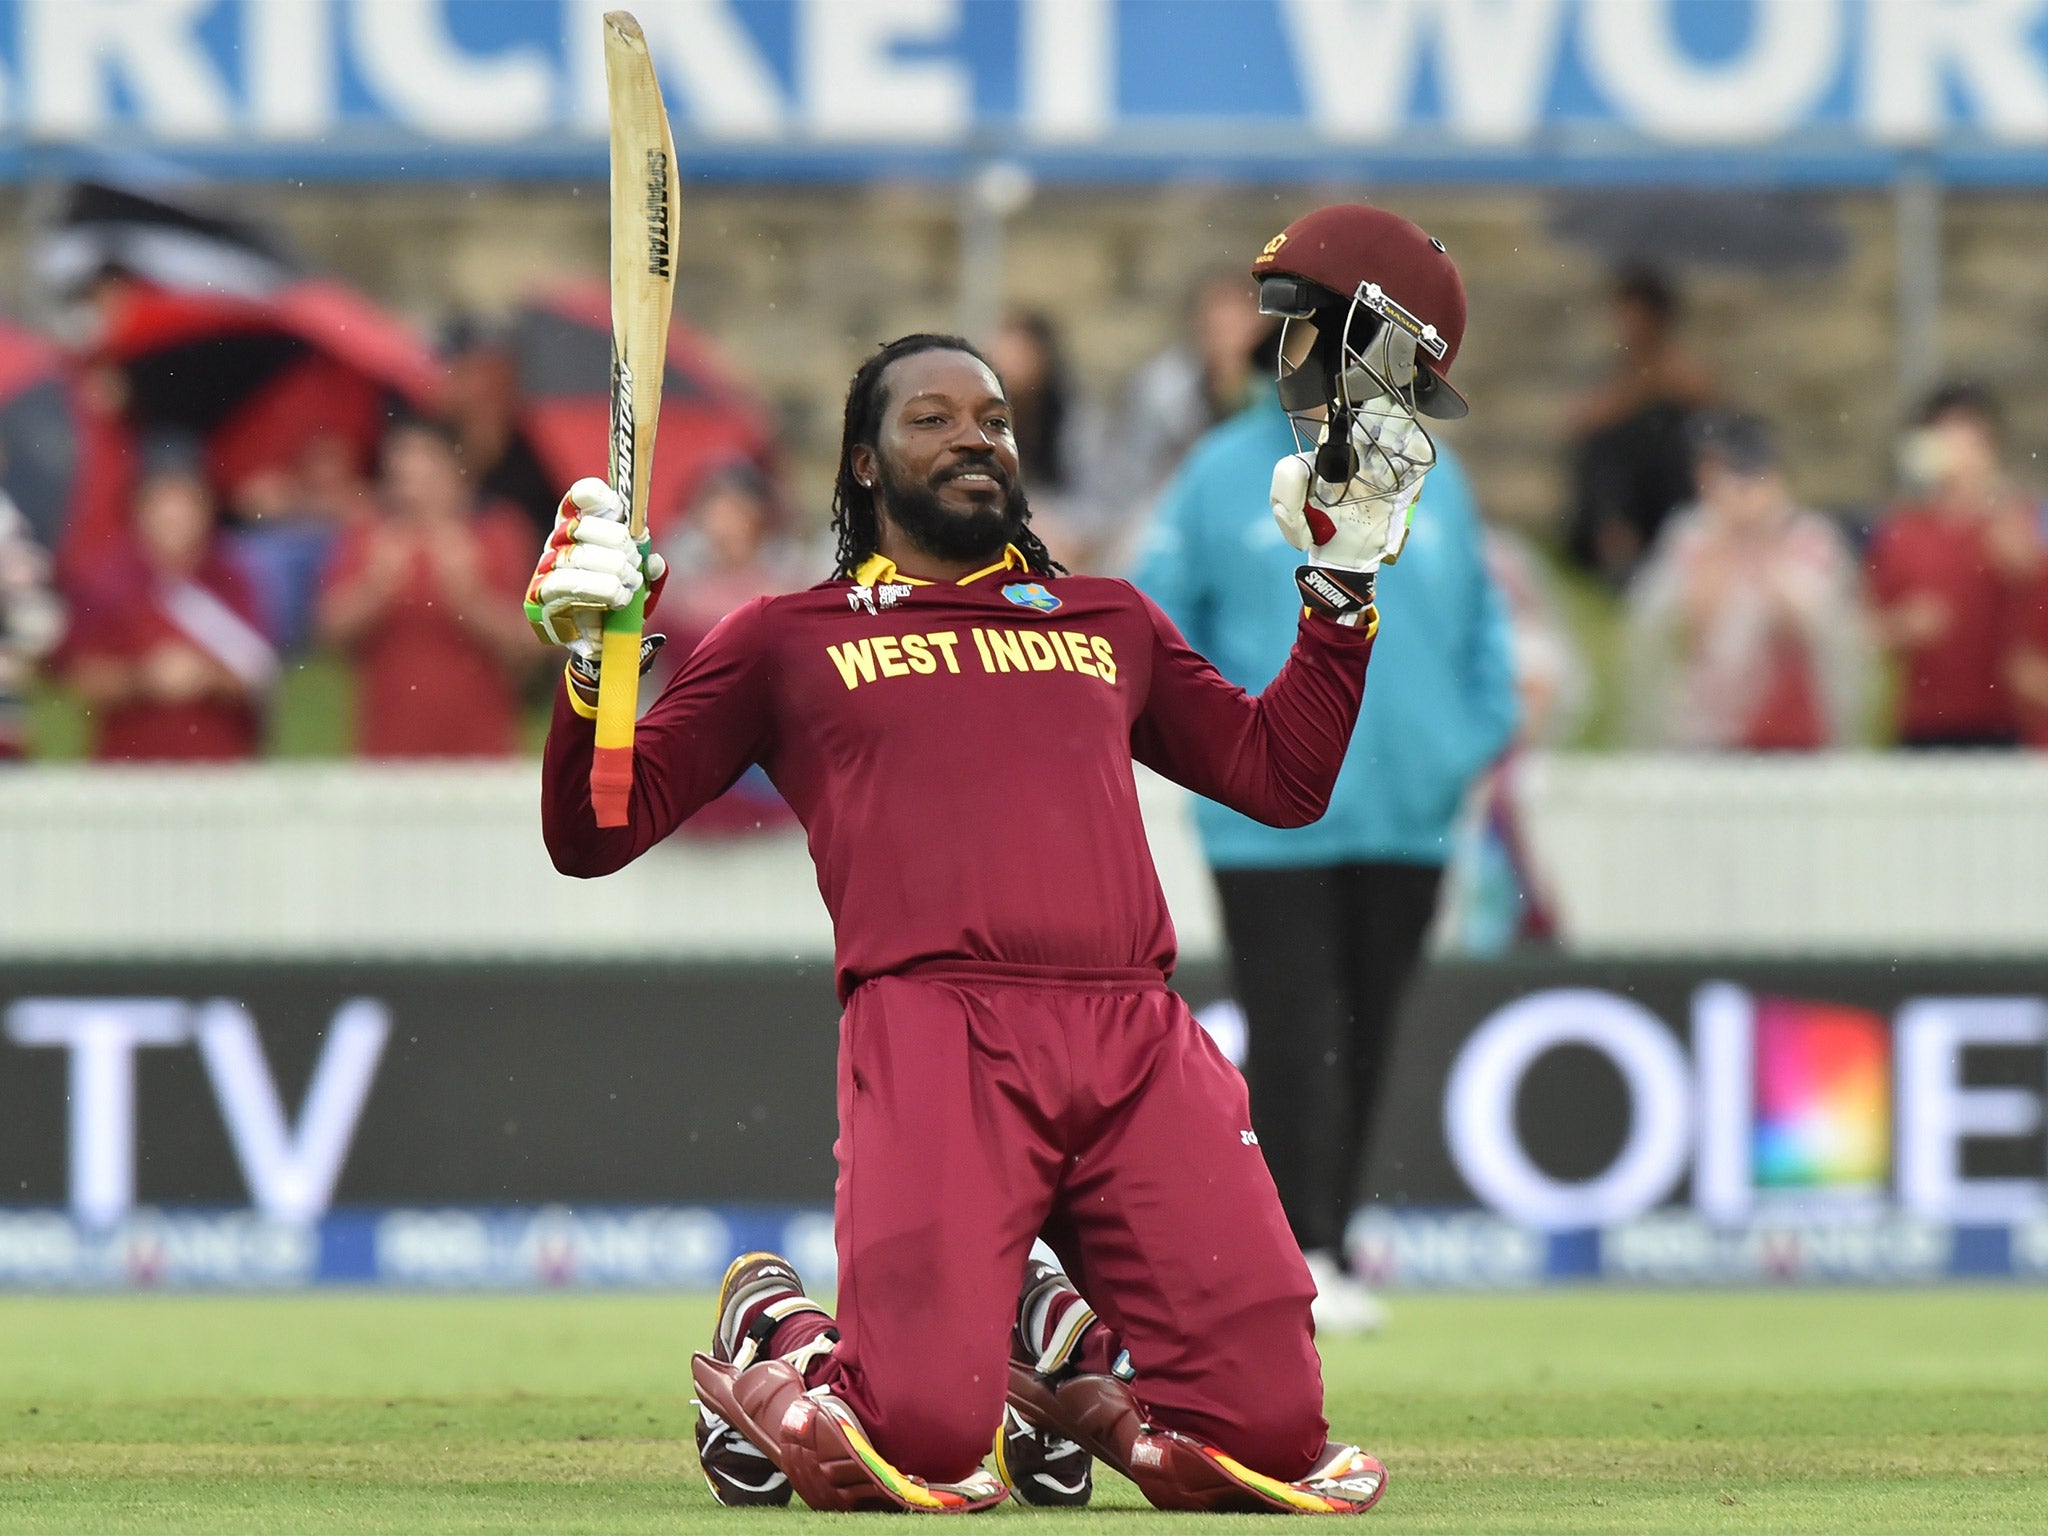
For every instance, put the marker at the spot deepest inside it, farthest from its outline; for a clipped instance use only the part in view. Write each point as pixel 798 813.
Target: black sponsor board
pixel 1573 1109
pixel 607 1081
pixel 627 1081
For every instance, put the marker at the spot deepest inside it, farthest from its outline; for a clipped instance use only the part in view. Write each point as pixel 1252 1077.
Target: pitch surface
pixel 1572 1411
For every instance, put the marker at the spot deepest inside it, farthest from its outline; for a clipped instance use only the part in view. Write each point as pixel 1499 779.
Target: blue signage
pixel 1554 90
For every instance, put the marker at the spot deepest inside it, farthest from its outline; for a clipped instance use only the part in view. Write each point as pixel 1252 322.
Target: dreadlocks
pixel 853 504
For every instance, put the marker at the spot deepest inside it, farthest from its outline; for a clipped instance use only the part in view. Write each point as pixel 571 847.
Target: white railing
pixel 1855 853
pixel 1852 854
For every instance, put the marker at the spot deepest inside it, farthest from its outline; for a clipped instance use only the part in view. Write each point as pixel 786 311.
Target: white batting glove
pixel 591 566
pixel 1361 524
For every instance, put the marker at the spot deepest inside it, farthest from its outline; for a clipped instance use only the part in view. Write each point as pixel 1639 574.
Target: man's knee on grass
pixel 941 1428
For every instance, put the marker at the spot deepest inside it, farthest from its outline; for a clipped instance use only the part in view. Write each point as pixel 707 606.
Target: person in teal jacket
pixel 1326 922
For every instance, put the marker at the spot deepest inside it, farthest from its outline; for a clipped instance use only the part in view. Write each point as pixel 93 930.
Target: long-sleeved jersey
pixel 960 755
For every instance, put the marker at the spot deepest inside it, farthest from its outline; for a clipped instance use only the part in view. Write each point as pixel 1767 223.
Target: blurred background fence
pixel 1859 856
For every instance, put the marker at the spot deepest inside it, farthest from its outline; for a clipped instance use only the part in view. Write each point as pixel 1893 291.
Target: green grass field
pixel 1567 1411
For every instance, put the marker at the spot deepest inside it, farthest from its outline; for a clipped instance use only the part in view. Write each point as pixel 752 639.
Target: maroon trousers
pixel 981 1106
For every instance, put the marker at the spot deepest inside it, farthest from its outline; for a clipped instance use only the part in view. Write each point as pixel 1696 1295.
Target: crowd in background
pixel 1759 624
pixel 344 509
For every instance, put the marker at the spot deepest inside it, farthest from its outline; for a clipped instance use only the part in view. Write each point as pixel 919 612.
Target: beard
pixel 939 531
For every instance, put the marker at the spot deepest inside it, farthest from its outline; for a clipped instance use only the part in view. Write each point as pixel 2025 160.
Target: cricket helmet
pixel 1388 310
pixel 1361 271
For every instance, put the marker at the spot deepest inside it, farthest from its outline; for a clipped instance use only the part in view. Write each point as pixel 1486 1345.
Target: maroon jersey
pixel 960 756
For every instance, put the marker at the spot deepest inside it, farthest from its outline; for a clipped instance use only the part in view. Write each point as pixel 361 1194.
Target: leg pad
pixel 820 1446
pixel 1172 1470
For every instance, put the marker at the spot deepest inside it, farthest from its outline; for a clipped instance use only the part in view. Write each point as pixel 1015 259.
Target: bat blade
pixel 645 215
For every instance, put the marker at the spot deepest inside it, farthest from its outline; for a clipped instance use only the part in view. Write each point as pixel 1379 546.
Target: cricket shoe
pixel 758 1292
pixel 1039 1465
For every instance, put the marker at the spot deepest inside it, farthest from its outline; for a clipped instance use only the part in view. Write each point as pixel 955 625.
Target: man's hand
pixel 176 673
pixel 1361 524
pixel 1348 531
pixel 591 565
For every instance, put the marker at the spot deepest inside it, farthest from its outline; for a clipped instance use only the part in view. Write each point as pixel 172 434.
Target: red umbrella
pixel 562 343
pixel 255 379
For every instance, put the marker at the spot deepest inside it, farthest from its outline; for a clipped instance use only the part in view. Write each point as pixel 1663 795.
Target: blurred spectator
pixel 2027 670
pixel 1059 441
pixel 732 547
pixel 1948 569
pixel 166 643
pixel 31 620
pixel 1552 678
pixel 1185 390
pixel 1745 622
pixel 483 404
pixel 1630 464
pixel 293 514
pixel 1498 897
pixel 425 597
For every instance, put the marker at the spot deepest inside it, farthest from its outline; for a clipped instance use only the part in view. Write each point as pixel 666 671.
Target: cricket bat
pixel 644 215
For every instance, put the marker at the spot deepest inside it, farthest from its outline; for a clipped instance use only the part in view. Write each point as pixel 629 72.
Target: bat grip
pixel 618 698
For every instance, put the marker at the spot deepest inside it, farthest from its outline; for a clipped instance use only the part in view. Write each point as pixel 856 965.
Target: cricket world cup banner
pixel 434 1125
pixel 1816 90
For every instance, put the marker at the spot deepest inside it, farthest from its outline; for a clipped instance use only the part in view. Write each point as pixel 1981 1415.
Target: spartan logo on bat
pixel 622 430
pixel 657 214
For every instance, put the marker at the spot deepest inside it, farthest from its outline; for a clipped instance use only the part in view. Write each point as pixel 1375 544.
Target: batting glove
pixel 591 565
pixel 1348 531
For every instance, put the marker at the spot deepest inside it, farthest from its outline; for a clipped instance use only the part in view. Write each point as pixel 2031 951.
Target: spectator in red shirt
pixel 1947 571
pixel 2027 670
pixel 166 646
pixel 732 548
pixel 1746 624
pixel 424 598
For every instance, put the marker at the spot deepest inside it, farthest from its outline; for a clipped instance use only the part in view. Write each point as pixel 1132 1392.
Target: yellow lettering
pixel 1105 658
pixel 889 657
pixel 1043 653
pixel 1009 651
pixel 919 655
pixel 945 640
pixel 1077 647
pixel 981 645
pixel 850 658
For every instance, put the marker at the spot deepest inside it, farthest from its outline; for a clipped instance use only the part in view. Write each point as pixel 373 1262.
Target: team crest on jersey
pixel 1031 594
pixel 874 599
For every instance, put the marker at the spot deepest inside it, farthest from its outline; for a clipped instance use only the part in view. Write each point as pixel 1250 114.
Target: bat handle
pixel 618 698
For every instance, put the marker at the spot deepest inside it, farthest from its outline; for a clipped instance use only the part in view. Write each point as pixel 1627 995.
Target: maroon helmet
pixel 1363 274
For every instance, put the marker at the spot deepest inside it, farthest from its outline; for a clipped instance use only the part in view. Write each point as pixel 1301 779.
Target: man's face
pixel 944 467
pixel 1742 501
pixel 173 520
pixel 1966 449
pixel 423 476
